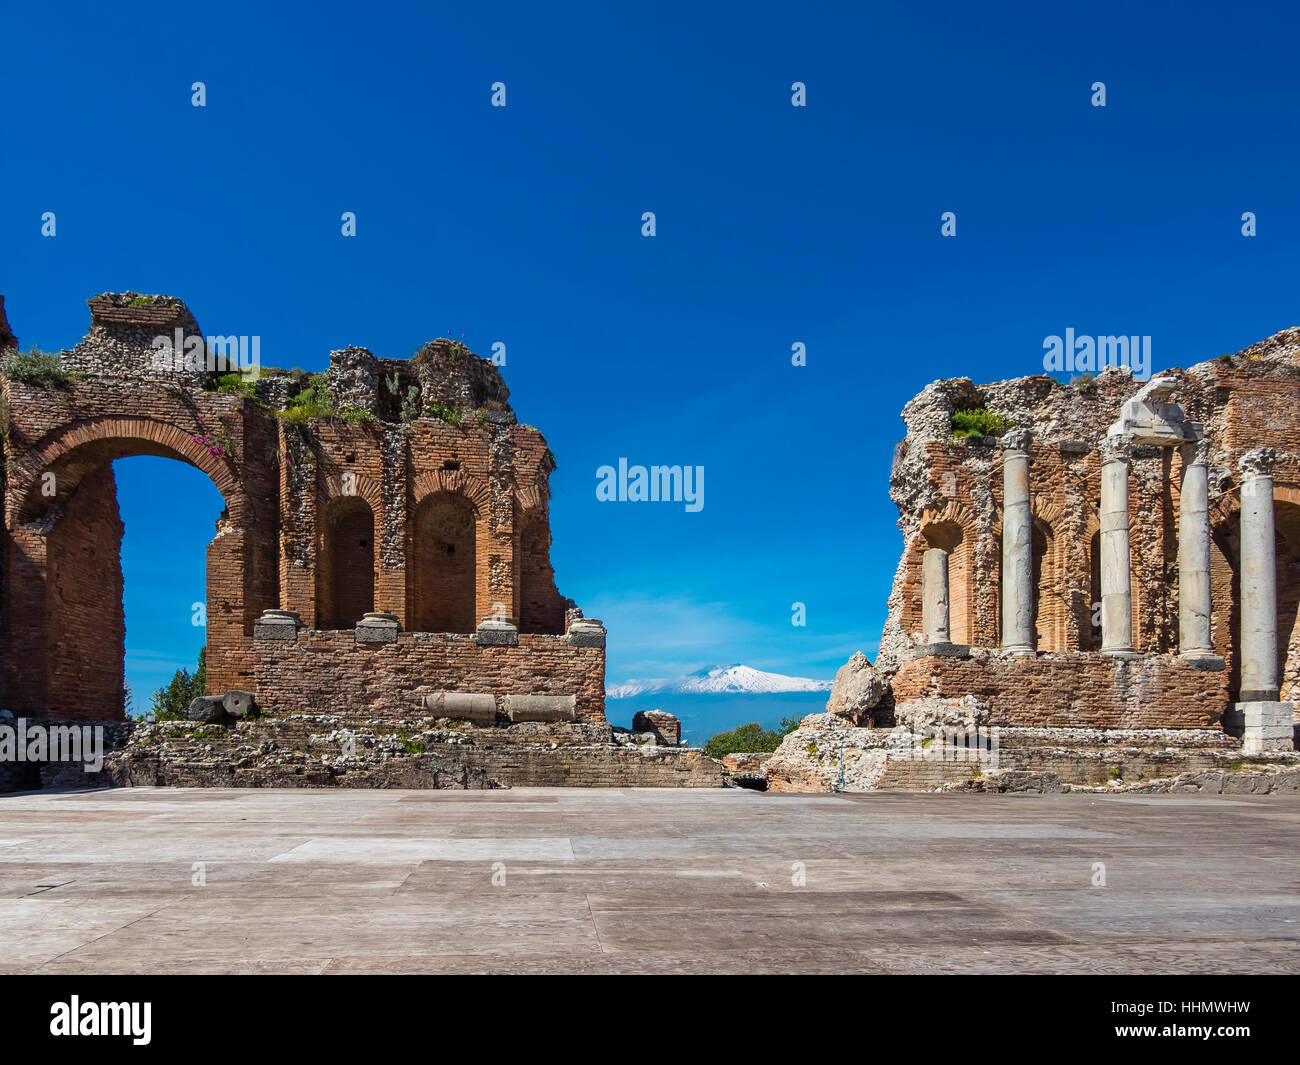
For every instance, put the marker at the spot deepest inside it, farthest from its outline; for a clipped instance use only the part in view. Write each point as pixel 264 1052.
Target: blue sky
pixel 775 225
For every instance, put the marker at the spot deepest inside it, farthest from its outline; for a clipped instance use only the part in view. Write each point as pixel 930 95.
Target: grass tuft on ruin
pixel 41 369
pixel 977 421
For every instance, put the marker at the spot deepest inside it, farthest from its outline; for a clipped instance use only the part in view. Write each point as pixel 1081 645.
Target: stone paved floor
pixel 645 881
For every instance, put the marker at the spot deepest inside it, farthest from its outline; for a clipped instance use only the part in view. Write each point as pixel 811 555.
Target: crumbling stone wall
pixel 321 519
pixel 950 494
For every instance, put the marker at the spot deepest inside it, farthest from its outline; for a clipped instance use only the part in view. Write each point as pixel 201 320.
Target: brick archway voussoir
pixel 63 442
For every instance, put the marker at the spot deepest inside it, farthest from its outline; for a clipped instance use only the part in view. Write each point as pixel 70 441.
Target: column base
pixel 1019 649
pixel 1122 652
pixel 1264 726
pixel 943 649
pixel 1206 660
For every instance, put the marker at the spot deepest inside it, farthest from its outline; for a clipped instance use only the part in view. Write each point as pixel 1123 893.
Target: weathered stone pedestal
pixel 497 632
pixel 377 627
pixel 1264 726
pixel 277 625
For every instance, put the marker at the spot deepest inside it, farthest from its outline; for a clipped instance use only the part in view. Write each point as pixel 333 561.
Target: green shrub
pixel 35 367
pixel 976 421
pixel 450 415
pixel 751 737
pixel 314 401
pixel 171 703
pixel 236 384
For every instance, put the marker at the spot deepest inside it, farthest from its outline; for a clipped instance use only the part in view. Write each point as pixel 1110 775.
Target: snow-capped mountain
pixel 719 680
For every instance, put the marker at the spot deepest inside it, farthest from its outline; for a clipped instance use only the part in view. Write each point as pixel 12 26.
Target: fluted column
pixel 1259 680
pixel 1116 581
pixel 1017 545
pixel 1194 602
pixel 934 596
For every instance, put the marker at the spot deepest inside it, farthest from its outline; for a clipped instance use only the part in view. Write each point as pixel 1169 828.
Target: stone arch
pixel 442 593
pixel 337 485
pixel 62 592
pixel 345 575
pixel 950 527
pixel 453 482
pixel 83 446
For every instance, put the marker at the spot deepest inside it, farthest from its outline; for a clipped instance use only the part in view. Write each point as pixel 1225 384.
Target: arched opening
pixel 1225 596
pixel 444 566
pixel 948 536
pixel 1287 518
pixel 163 568
pixel 540 608
pixel 1090 634
pixel 109 590
pixel 1092 631
pixel 1049 606
pixel 345 583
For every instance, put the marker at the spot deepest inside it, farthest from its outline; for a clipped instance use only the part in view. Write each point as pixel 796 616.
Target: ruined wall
pixel 330 672
pixel 86 631
pixel 337 490
pixel 950 494
pixel 1073 690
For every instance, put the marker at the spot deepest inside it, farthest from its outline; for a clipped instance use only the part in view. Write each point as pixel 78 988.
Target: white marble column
pixel 1259 680
pixel 1194 602
pixel 1017 545
pixel 934 597
pixel 1116 581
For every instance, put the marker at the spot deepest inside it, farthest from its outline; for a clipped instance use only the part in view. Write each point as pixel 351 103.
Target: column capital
pixel 1258 463
pixel 1116 447
pixel 1017 440
pixel 1196 452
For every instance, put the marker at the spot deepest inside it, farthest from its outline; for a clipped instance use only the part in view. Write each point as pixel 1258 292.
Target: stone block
pixel 943 650
pixel 665 727
pixel 208 709
pixel 277 625
pixel 465 705
pixel 585 632
pixel 1267 726
pixel 377 628
pixel 497 632
pixel 238 704
pixel 541 707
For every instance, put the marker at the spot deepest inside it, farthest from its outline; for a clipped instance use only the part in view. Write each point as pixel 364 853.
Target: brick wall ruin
pixel 1082 565
pixel 385 534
